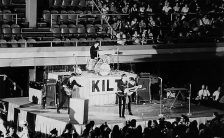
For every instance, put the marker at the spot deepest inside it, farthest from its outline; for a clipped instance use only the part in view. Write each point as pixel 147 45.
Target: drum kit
pixel 100 66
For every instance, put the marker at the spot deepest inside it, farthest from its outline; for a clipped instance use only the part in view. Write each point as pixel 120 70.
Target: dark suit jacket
pixel 121 85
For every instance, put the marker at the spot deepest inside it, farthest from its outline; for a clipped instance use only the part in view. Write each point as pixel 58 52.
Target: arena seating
pixel 162 22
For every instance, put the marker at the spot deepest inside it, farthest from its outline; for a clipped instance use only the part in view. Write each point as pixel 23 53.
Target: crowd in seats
pixel 181 127
pixel 165 21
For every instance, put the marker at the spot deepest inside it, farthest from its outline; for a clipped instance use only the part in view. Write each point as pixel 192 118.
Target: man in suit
pixel 67 83
pixel 122 85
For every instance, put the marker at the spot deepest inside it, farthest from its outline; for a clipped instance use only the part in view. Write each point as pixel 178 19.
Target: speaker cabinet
pixel 144 94
pixel 51 93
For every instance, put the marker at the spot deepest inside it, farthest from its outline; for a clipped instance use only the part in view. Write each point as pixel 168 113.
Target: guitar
pixel 67 90
pixel 129 91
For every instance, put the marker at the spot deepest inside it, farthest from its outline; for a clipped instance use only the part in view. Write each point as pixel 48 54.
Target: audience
pixel 181 19
pixel 181 127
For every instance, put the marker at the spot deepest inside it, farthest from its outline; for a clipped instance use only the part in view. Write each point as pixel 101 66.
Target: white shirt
pixel 203 93
pixel 166 9
pixel 216 95
pixel 185 9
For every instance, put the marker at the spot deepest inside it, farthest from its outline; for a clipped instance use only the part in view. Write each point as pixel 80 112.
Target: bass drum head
pixel 91 64
pixel 104 69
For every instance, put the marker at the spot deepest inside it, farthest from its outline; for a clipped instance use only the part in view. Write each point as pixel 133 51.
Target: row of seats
pixel 17 43
pixel 67 3
pixel 31 42
pixel 10 2
pixel 80 31
pixel 6 16
pixel 8 31
pixel 71 16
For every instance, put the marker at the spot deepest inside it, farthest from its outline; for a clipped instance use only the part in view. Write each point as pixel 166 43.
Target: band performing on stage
pixel 68 86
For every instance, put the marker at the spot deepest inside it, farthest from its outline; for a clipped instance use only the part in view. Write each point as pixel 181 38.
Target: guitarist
pixel 122 85
pixel 67 84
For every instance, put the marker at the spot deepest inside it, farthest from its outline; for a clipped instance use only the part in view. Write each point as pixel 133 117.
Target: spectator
pixel 126 9
pixel 142 11
pixel 113 9
pixel 121 38
pixel 215 95
pixel 53 133
pixel 2 128
pixel 105 10
pixel 11 132
pixel 148 9
pixel 184 11
pixel 166 8
pixel 176 8
pixel 88 130
pixel 116 133
pixel 69 132
pixel 134 9
pixel 142 25
pixel 144 37
pixel 134 25
pixel 136 38
pixel 25 133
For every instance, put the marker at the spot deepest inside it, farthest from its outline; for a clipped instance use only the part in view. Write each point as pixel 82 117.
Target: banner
pixel 103 85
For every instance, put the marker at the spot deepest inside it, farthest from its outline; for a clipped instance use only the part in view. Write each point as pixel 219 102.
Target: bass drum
pixel 102 68
pixel 91 64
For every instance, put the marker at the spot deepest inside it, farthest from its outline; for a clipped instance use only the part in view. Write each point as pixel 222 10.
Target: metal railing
pixel 111 42
pixel 76 43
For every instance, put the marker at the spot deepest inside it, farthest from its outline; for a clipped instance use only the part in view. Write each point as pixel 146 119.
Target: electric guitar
pixel 67 90
pixel 129 91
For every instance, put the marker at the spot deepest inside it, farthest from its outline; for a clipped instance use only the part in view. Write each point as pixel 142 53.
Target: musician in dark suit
pixel 122 85
pixel 68 83
pixel 94 50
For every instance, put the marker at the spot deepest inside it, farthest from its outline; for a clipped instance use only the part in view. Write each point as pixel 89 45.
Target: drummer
pixel 94 54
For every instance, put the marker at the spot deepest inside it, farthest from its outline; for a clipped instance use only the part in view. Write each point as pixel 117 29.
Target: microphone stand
pixel 189 104
pixel 118 65
pixel 75 63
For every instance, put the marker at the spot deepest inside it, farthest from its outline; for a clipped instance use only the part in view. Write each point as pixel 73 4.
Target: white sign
pixel 103 85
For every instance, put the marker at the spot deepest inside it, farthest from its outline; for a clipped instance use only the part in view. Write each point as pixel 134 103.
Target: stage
pixel 44 120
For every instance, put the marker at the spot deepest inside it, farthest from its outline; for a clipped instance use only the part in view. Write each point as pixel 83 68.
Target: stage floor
pixel 109 113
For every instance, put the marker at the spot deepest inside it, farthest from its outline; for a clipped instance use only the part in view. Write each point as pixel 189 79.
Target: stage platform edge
pixel 44 120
